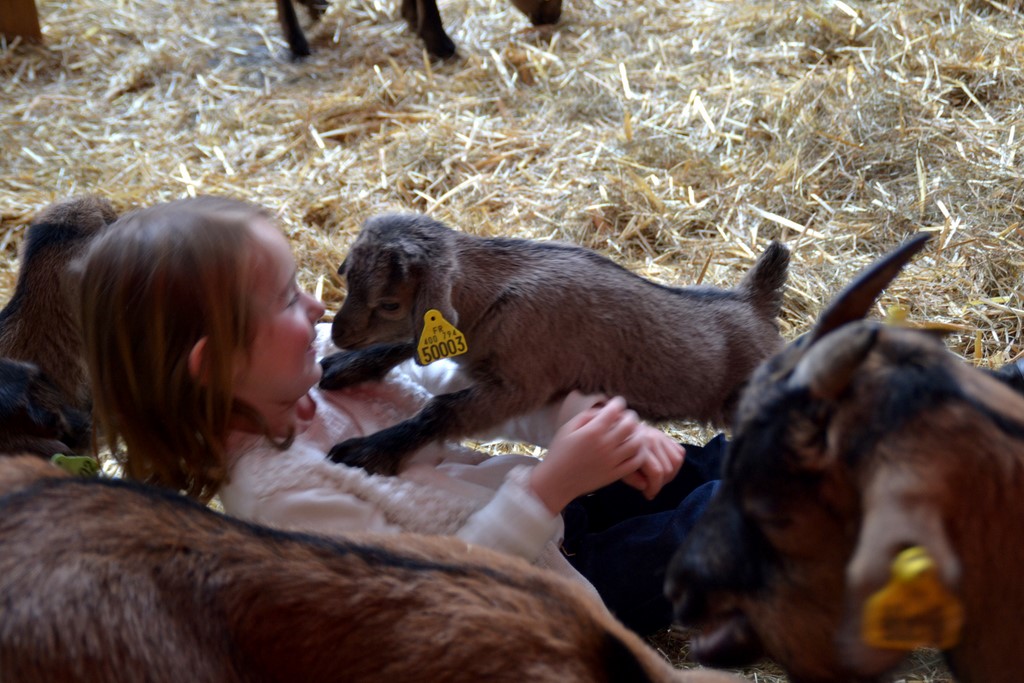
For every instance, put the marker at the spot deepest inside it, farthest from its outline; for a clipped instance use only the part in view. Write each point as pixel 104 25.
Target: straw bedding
pixel 675 136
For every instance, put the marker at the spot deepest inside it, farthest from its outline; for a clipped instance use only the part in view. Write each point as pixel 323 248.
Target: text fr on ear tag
pixel 915 609
pixel 440 339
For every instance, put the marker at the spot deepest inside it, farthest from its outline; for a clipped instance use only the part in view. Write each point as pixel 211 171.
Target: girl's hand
pixel 593 449
pixel 663 458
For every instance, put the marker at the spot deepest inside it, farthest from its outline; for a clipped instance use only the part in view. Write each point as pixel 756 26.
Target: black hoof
pixel 354 453
pixel 440 46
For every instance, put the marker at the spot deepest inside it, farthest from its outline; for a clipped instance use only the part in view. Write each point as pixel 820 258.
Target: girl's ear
pixel 195 359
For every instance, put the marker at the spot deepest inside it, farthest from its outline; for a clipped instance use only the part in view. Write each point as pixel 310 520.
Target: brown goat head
pixel 856 442
pixel 405 269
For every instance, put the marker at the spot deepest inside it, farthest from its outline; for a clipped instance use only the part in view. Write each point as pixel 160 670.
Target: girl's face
pixel 281 366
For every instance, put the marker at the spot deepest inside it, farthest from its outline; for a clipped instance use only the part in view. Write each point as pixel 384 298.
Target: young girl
pixel 204 358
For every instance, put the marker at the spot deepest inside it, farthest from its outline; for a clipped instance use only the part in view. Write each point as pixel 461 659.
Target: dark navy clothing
pixel 1012 374
pixel 622 542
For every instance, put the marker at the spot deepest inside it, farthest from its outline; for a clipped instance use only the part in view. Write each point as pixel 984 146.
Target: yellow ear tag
pixel 896 315
pixel 914 609
pixel 440 339
pixel 78 465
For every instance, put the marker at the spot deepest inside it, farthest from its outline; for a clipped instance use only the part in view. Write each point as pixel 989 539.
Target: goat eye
pixel 389 306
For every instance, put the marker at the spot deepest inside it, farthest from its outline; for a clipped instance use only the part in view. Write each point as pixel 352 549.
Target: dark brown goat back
pixel 107 580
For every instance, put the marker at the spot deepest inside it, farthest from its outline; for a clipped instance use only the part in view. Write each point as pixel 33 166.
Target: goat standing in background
pixel 859 441
pixel 422 16
pixel 44 386
pixel 105 580
pixel 541 319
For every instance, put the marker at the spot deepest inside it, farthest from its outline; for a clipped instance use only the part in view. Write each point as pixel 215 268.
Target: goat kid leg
pixel 292 29
pixel 425 20
pixel 411 14
pixel 458 414
pixel 540 11
pixel 316 8
pixel 363 365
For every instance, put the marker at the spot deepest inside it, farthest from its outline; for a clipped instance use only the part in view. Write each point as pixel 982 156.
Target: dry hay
pixel 676 136
pixel 923 666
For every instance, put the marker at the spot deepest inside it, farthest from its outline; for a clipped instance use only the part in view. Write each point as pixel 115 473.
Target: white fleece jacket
pixel 445 488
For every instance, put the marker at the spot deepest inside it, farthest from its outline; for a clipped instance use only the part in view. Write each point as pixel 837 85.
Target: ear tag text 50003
pixel 915 609
pixel 440 339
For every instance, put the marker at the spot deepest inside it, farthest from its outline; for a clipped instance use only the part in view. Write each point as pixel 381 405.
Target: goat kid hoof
pixel 354 453
pixel 441 46
pixel 336 372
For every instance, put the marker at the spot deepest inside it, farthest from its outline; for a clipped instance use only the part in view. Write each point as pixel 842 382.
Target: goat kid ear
pixel 856 299
pixel 435 291
pixel 827 367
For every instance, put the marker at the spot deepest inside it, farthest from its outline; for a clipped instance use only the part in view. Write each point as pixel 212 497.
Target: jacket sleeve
pixel 514 521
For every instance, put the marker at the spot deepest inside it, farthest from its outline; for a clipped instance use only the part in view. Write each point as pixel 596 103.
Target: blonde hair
pixel 152 286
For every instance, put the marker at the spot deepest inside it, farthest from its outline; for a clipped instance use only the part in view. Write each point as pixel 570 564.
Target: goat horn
pixel 856 299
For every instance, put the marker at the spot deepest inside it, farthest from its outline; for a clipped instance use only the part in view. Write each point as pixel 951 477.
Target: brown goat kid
pixel 422 16
pixel 541 319
pixel 857 442
pixel 44 386
pixel 113 581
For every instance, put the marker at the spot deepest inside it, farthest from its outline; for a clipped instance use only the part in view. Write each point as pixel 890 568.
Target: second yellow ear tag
pixel 914 609
pixel 78 465
pixel 440 339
